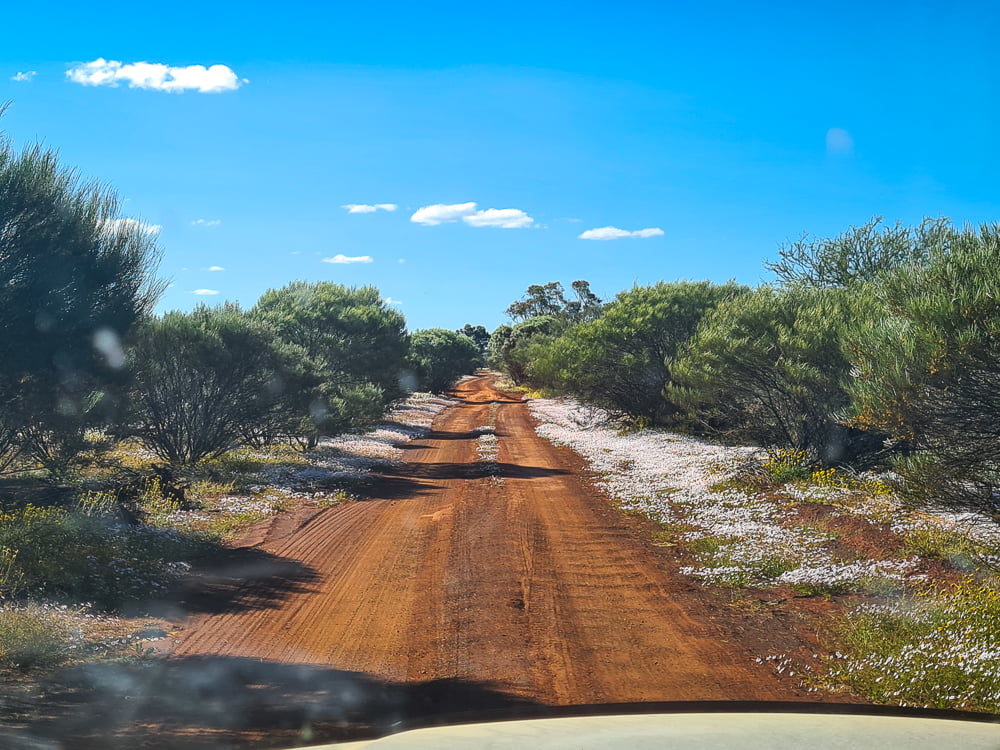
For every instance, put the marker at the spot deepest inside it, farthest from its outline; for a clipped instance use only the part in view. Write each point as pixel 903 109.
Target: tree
pixel 861 253
pixel 478 334
pixel 202 380
pixel 514 348
pixel 550 299
pixel 351 335
pixel 769 366
pixel 74 277
pixel 620 360
pixel 439 356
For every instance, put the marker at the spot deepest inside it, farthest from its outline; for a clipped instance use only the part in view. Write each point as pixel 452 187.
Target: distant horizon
pixel 452 159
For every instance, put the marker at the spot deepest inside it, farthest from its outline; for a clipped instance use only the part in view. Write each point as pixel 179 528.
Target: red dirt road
pixel 530 584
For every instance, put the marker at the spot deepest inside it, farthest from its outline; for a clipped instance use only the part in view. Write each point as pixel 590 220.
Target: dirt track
pixel 531 585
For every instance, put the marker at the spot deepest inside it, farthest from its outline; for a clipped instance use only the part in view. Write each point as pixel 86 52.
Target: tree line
pixel 81 347
pixel 875 348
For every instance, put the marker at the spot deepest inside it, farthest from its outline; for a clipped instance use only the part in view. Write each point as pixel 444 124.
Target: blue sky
pixel 715 131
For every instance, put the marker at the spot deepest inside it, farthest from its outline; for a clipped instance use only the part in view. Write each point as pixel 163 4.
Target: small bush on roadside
pixel 31 637
pixel 787 466
pixel 75 556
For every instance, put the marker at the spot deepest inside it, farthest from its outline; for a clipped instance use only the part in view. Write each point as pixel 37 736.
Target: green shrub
pixel 202 380
pixel 81 557
pixel 620 360
pixel 74 277
pixel 33 637
pixel 350 335
pixel 438 357
pixel 768 366
pixel 927 371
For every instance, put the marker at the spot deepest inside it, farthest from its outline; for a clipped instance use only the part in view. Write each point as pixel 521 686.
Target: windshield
pixel 370 367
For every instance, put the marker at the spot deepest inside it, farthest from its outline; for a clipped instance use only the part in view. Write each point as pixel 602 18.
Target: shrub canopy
pixel 769 366
pixel 620 360
pixel 439 356
pixel 73 278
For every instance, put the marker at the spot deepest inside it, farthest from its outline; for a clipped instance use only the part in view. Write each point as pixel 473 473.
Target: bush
pixel 620 360
pixel 515 348
pixel 438 357
pixel 81 557
pixel 350 335
pixel 33 637
pixel 73 279
pixel 861 254
pixel 768 366
pixel 927 371
pixel 202 380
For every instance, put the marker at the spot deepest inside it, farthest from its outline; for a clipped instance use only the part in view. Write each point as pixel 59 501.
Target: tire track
pixel 530 584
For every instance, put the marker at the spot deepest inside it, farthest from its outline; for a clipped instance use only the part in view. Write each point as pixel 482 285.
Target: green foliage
pixel 33 637
pixel 787 466
pixel 927 371
pixel 438 357
pixel 936 650
pixel 479 334
pixel 860 254
pixel 86 557
pixel 620 360
pixel 73 279
pixel 768 366
pixel 202 380
pixel 350 335
pixel 347 408
pixel 514 349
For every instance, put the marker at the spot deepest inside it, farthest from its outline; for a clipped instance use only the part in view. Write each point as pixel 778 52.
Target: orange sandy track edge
pixel 529 584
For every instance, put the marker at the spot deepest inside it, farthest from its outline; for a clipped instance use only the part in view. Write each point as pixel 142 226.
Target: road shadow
pixel 473 470
pixel 237 580
pixel 213 702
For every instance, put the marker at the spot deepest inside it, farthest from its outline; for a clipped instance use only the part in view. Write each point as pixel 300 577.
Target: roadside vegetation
pixel 834 433
pixel 830 434
pixel 133 445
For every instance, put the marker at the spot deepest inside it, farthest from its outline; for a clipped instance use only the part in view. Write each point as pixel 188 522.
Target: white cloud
pixel 156 76
pixel 839 142
pixel 505 218
pixel 368 208
pixel 125 223
pixel 25 76
pixel 338 258
pixel 401 260
pixel 614 233
pixel 391 301
pixel 204 292
pixel 206 222
pixel 441 213
pixel 215 268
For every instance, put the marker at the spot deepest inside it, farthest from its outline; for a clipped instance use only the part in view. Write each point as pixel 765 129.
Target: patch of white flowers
pixel 487 452
pixel 739 537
